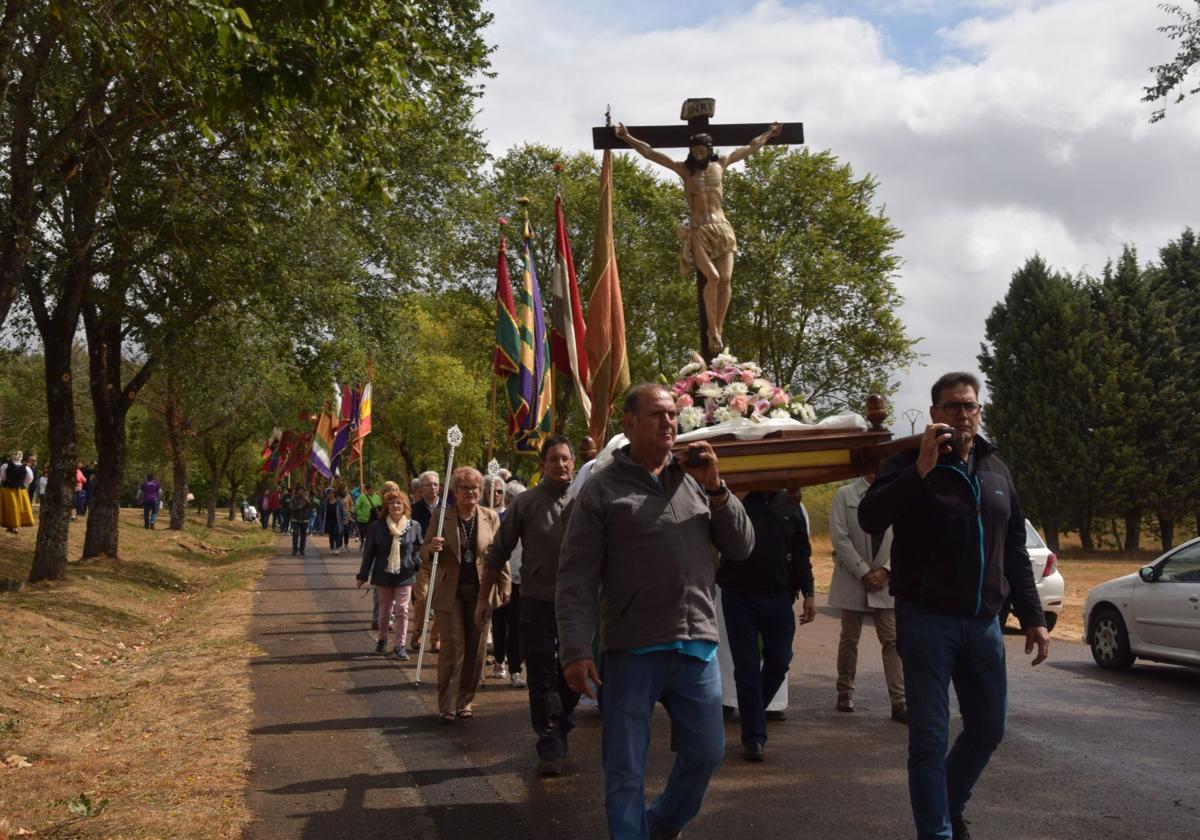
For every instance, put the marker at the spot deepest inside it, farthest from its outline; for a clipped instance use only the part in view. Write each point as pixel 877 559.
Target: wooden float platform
pixel 793 458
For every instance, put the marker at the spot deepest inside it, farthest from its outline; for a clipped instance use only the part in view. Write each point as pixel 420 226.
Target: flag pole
pixel 492 424
pixel 454 438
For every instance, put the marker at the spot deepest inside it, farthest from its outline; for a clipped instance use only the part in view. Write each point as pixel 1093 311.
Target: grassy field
pixel 128 684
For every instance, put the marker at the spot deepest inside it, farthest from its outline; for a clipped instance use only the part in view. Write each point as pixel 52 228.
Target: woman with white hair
pixel 15 478
pixel 467 532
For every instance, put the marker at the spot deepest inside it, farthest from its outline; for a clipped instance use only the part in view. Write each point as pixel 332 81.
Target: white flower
pixel 711 390
pixel 803 411
pixel 724 415
pixel 691 418
pixel 762 386
pixel 781 414
pixel 690 368
pixel 736 388
pixel 725 360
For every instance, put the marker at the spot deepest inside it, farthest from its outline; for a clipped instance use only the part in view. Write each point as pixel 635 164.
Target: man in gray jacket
pixel 536 520
pixel 641 537
pixel 861 568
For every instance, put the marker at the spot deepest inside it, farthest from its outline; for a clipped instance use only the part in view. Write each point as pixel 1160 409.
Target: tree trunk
pixel 50 555
pixel 233 488
pixel 110 404
pixel 176 442
pixel 104 363
pixel 1085 535
pixel 1166 531
pixel 1133 530
pixel 1051 537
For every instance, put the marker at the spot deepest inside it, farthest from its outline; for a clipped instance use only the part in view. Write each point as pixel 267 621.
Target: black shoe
pixel 845 703
pixel 959 826
pixel 778 714
pixel 753 752
pixel 380 646
pixel 550 767
pixel 728 712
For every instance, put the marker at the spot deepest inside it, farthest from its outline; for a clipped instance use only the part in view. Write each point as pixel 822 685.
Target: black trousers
pixel 299 536
pixel 506 631
pixel 551 701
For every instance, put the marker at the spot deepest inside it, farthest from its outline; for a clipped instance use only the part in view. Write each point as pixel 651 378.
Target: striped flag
pixel 506 357
pixel 608 367
pixel 534 376
pixel 567 327
pixel 364 424
pixel 322 445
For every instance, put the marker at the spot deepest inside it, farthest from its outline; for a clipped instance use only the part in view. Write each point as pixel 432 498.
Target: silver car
pixel 1153 613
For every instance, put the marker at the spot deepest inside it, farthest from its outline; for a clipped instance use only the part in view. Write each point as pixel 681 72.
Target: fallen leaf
pixel 16 761
pixel 58 676
pixel 31 680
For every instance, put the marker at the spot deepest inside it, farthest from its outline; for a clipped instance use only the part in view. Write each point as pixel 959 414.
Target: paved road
pixel 344 747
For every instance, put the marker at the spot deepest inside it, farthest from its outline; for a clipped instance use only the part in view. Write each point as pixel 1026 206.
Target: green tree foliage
pixel 814 296
pixel 1091 394
pixel 1171 77
pixel 1042 411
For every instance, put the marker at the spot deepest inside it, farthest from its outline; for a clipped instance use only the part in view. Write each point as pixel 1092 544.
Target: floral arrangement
pixel 728 389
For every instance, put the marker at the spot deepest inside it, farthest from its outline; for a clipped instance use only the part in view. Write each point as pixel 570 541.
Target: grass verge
pixel 125 689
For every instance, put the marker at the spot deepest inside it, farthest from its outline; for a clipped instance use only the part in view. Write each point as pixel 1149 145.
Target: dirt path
pixel 343 747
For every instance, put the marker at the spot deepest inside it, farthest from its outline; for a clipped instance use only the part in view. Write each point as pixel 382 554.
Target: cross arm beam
pixel 676 136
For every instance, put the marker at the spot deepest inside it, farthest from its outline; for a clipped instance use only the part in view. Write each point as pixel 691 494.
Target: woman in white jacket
pixel 861 568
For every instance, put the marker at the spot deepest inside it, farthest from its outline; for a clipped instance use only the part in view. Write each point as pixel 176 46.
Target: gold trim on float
pixel 784 460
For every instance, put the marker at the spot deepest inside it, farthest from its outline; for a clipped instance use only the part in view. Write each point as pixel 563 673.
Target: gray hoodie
pixel 645 544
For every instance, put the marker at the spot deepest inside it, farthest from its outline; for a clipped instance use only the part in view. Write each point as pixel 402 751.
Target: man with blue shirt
pixel 640 546
pixel 958 551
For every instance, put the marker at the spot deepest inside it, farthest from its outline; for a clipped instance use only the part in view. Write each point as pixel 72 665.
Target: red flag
pixel 567 327
pixel 605 341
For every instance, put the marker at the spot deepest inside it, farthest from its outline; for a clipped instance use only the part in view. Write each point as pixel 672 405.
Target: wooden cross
pixel 696 112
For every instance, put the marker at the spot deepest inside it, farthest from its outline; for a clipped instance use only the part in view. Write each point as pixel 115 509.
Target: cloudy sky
pixel 996 128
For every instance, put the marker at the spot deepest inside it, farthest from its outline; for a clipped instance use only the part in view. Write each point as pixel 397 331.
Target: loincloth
pixel 716 239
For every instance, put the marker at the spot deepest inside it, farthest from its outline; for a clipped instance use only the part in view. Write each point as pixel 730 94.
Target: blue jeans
pixel 748 616
pixel 690 690
pixel 149 513
pixel 936 650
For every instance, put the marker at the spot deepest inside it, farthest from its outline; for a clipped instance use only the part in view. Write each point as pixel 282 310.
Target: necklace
pixel 468 533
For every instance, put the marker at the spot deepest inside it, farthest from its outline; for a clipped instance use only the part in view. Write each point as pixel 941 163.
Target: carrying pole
pixel 454 438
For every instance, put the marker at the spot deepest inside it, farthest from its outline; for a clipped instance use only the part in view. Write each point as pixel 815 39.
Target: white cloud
pixel 1038 143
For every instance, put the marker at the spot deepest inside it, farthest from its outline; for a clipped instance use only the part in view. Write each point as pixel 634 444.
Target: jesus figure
pixel 709 234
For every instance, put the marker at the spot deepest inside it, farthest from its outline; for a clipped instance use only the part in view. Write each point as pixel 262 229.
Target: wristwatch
pixel 721 490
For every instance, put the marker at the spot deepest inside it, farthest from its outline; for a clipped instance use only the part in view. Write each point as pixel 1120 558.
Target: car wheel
pixel 1110 641
pixel 1051 620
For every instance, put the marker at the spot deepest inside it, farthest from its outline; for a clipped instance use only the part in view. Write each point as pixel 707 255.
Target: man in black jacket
pixel 958 552
pixel 756 599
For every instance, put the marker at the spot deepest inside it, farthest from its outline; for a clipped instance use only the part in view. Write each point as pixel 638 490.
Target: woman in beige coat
pixel 861 568
pixel 466 534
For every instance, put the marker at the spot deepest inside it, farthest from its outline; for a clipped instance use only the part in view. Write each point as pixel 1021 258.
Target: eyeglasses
pixel 970 409
pixel 467 488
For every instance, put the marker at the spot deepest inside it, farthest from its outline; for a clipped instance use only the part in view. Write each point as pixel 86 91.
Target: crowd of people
pixel 602 587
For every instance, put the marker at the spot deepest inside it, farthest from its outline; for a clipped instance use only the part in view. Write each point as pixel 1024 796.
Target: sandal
pixel 446 718
pixel 465 714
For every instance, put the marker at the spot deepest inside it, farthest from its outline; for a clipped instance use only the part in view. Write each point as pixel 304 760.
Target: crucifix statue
pixel 708 238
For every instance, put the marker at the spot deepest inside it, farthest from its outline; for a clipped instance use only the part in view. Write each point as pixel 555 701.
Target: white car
pixel 1047 578
pixel 1153 613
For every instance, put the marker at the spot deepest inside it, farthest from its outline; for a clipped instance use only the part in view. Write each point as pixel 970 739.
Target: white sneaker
pixel 518 680
pixel 499 672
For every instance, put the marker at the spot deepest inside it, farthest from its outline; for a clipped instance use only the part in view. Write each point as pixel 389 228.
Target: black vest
pixel 14 475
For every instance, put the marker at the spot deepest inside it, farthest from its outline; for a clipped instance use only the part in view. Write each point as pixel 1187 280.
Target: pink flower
pixel 704 377
pixel 779 397
pixel 762 406
pixel 739 404
pixel 748 377
pixel 683 401
pixel 729 376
